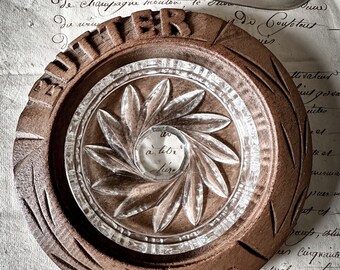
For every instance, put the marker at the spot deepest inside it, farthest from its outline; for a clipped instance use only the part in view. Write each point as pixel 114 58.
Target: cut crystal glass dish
pixel 268 4
pixel 161 160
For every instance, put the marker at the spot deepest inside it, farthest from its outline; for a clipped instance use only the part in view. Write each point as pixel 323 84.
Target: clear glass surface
pixel 161 153
pixel 145 163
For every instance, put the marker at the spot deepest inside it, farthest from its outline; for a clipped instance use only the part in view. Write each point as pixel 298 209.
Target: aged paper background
pixel 306 40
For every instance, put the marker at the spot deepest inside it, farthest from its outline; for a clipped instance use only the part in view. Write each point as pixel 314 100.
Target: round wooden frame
pixel 54 217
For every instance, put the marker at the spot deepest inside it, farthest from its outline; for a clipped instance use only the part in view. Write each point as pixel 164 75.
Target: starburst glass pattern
pixel 99 192
pixel 166 150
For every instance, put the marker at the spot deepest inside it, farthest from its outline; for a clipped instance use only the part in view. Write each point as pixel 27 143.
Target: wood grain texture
pixel 52 214
pixel 271 74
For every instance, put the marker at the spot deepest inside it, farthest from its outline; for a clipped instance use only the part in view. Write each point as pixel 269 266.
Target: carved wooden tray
pixel 163 140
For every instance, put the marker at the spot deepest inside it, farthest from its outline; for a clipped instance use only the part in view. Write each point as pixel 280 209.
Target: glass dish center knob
pixel 161 153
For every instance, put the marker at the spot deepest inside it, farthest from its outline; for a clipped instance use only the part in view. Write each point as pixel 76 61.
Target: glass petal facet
pixel 154 104
pixel 193 196
pixel 130 107
pixel 140 199
pixel 117 185
pixel 211 175
pixel 214 148
pixel 182 105
pixel 168 206
pixel 202 122
pixel 112 130
pixel 105 157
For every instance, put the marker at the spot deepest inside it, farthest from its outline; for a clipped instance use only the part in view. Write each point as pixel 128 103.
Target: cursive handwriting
pixel 60 39
pixel 317 254
pixel 331 266
pixel 218 3
pixel 107 8
pixel 320 212
pixel 280 21
pixel 163 150
pixel 332 233
pixel 325 173
pixel 311 75
pixel 167 150
pixel 318 193
pixel 318 131
pixel 316 109
pixel 314 94
pixel 317 152
pixel 244 19
pixel 166 168
pixel 161 2
pixel 283 251
pixel 165 134
pixel 299 236
pixel 283 266
pixel 309 6
pixel 62 3
pixel 61 21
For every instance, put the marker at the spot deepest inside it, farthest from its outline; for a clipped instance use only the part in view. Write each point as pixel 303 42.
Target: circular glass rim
pixel 238 201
